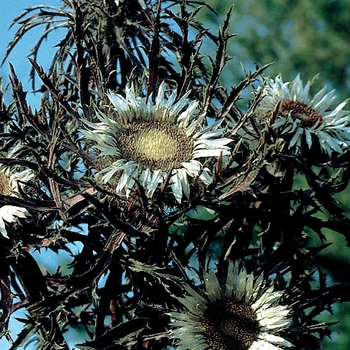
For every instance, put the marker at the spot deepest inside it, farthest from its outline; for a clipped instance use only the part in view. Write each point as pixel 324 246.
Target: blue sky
pixel 18 57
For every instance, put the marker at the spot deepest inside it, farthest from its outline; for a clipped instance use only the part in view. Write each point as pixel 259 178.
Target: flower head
pixel 9 180
pixel 146 141
pixel 243 315
pixel 307 120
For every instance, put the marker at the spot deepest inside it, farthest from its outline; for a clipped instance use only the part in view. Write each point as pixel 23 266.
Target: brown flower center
pixel 155 145
pixel 298 110
pixel 230 325
pixel 5 184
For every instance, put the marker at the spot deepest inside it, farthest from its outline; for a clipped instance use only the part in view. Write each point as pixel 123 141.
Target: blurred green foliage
pixel 303 36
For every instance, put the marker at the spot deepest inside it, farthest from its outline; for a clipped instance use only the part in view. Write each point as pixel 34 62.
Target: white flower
pixel 307 120
pixel 9 187
pixel 243 315
pixel 146 141
pixel 141 2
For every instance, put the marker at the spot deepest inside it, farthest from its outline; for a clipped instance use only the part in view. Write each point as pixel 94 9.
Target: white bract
pixel 148 142
pixel 243 315
pixel 9 187
pixel 307 120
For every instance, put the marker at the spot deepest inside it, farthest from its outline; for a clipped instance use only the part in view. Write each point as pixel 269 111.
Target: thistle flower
pixel 243 315
pixel 146 141
pixel 307 120
pixel 9 187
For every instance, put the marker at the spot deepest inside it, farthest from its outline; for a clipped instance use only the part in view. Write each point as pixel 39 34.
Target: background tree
pixel 305 37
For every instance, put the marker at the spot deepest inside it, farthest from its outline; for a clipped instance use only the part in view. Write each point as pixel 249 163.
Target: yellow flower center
pixel 150 143
pixel 228 325
pixel 5 184
pixel 155 144
pixel 298 110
